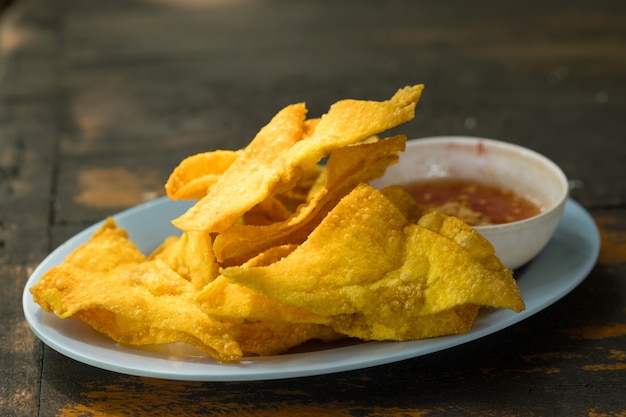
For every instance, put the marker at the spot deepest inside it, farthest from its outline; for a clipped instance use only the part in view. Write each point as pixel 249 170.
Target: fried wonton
pixel 275 159
pixel 345 169
pixel 193 177
pixel 378 275
pixel 111 286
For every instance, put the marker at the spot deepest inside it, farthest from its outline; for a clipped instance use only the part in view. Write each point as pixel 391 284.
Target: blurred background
pixel 169 78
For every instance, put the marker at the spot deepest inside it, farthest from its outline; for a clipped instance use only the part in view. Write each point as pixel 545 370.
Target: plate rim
pixel 308 363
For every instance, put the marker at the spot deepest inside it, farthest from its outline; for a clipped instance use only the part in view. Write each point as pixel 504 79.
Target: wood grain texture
pixel 100 100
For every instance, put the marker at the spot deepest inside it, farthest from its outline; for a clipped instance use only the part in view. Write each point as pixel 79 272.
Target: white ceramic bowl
pixel 498 163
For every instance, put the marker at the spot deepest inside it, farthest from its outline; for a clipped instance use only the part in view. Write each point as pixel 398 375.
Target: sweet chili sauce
pixel 474 202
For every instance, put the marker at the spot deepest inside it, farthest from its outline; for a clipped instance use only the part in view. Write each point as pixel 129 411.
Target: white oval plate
pixel 559 268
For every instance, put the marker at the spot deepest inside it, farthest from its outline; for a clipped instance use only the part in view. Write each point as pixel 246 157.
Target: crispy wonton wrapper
pixel 111 286
pixel 273 162
pixel 193 177
pixel 378 276
pixel 346 167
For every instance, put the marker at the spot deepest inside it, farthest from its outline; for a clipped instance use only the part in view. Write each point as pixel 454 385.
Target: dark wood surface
pixel 100 100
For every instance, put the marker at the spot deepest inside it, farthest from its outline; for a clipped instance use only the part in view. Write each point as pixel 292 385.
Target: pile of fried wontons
pixel 280 249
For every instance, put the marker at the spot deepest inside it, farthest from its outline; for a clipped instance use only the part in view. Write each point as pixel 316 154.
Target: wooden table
pixel 100 100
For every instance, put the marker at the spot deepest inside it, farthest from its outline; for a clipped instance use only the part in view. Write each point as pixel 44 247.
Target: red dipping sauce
pixel 475 203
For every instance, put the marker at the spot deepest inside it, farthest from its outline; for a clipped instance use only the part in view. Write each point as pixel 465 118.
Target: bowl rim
pixel 495 143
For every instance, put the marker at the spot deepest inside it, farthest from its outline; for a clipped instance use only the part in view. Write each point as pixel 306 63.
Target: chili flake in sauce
pixel 475 203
